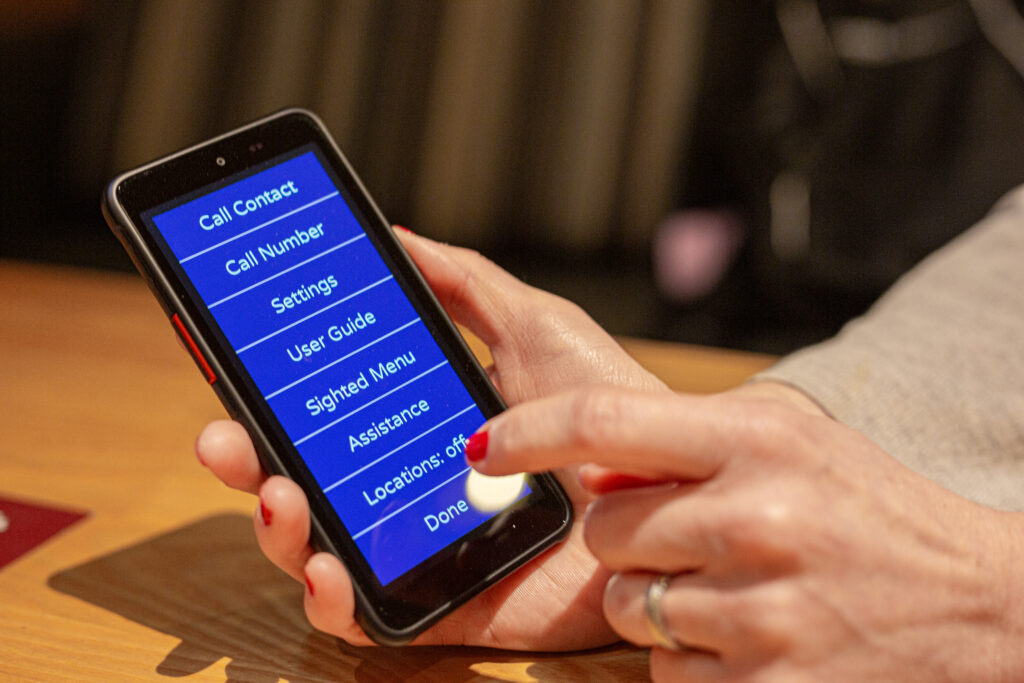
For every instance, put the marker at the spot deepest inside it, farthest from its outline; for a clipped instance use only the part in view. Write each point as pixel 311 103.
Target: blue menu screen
pixel 352 374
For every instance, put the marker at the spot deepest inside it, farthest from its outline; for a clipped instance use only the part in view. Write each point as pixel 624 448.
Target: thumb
pixel 475 291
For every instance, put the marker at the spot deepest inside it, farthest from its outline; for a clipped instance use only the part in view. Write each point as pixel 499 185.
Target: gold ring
pixel 652 613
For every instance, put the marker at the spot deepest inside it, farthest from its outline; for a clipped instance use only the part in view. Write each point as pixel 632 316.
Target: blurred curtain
pixel 551 124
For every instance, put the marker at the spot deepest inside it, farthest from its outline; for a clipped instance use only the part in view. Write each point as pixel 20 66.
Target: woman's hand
pixel 540 344
pixel 796 549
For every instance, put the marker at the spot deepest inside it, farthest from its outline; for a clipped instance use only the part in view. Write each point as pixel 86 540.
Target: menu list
pixel 351 372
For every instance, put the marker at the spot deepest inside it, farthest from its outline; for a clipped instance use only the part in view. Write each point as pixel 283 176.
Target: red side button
pixel 190 344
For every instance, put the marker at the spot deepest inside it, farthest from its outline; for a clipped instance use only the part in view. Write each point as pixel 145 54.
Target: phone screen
pixel 349 369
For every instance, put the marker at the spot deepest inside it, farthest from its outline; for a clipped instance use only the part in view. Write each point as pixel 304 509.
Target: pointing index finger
pixel 664 435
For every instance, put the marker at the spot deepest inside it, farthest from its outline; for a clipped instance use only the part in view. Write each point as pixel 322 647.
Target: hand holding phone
pixel 310 322
pixel 541 345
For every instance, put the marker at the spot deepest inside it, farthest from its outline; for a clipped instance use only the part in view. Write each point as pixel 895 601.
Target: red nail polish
pixel 309 584
pixel 476 447
pixel 402 227
pixel 266 512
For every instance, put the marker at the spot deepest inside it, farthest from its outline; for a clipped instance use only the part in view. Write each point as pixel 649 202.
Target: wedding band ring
pixel 652 612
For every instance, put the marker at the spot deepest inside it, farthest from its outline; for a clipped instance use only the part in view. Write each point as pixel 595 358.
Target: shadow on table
pixel 208 584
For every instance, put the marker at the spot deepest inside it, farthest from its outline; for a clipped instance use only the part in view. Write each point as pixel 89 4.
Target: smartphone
pixel 317 332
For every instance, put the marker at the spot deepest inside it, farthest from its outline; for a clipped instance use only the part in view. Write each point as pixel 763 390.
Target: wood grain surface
pixel 98 411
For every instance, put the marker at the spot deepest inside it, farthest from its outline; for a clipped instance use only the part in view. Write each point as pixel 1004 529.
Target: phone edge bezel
pixel 165 292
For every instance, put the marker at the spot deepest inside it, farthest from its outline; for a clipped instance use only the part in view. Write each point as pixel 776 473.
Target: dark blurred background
pixel 744 173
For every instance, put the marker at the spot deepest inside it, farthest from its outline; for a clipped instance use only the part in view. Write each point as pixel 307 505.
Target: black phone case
pixel 207 358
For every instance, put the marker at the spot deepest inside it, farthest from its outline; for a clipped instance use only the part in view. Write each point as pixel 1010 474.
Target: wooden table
pixel 98 410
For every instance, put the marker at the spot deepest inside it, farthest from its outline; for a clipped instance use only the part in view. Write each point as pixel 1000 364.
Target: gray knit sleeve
pixel 934 372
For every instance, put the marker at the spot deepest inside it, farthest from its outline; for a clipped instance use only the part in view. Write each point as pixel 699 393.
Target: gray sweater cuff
pixel 934 372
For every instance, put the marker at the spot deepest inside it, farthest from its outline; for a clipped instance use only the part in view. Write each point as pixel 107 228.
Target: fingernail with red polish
pixel 476 447
pixel 403 228
pixel 266 513
pixel 309 584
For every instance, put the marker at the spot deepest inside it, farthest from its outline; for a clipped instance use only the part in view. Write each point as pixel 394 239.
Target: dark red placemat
pixel 24 525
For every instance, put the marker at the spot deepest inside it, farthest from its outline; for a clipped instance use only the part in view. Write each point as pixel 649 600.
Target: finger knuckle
pixel 736 530
pixel 596 417
pixel 764 527
pixel 465 285
pixel 776 424
pixel 772 616
pixel 546 320
pixel 788 437
pixel 730 606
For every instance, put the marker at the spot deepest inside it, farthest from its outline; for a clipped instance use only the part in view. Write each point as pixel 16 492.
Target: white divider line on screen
pixel 369 403
pixel 343 358
pixel 288 270
pixel 409 504
pixel 395 450
pixel 315 313
pixel 260 226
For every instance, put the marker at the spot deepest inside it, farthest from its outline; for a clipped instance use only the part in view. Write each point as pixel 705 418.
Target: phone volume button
pixel 193 349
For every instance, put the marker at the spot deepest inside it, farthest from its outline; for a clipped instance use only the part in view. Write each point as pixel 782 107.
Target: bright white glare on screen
pixel 492 493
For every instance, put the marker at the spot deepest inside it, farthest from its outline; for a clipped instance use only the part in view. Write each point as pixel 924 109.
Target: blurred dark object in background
pixel 43 213
pixel 854 137
pixel 839 141
pixel 548 134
